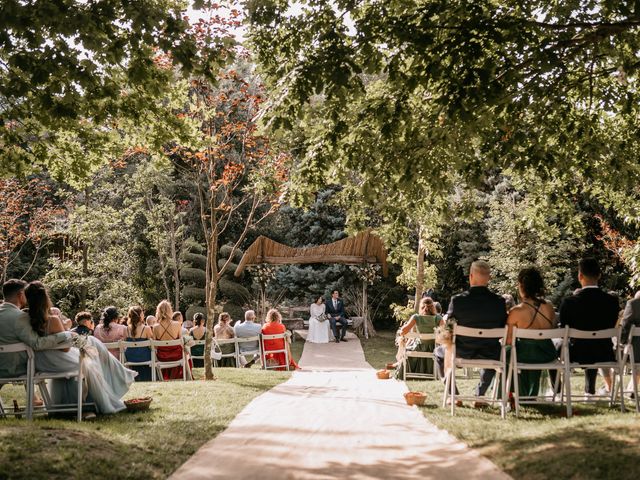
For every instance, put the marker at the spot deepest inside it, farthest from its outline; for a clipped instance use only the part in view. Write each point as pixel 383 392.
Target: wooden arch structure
pixel 364 248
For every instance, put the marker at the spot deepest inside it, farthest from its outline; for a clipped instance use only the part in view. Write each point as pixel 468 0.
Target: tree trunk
pixel 419 275
pixel 211 288
pixel 176 264
pixel 85 273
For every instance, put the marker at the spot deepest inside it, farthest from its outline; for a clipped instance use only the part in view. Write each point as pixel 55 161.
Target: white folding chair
pixel 500 366
pixel 634 364
pixel 253 350
pixel 162 365
pixel 423 337
pixel 124 345
pixel 515 366
pixel 218 343
pixel 616 366
pixel 115 346
pixel 26 379
pixel 284 350
pixel 40 378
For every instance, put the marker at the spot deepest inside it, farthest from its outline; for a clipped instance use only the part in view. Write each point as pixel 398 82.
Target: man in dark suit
pixel 630 318
pixel 478 307
pixel 590 309
pixel 335 310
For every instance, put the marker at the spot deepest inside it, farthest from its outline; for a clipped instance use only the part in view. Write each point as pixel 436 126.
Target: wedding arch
pixel 363 249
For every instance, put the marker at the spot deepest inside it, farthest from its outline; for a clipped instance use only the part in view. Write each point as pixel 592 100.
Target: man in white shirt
pixel 247 329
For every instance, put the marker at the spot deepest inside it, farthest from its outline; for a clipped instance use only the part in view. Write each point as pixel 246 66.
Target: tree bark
pixel 176 263
pixel 419 274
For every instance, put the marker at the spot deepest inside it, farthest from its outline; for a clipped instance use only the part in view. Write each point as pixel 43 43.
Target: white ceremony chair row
pixel 238 351
pixel 31 379
pixel 154 364
pixel 423 337
pixel 563 366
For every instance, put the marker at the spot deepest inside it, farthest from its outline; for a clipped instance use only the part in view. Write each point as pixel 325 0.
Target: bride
pixel 107 380
pixel 318 330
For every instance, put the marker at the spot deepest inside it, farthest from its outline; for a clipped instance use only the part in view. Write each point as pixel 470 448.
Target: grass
pixel 598 443
pixel 151 444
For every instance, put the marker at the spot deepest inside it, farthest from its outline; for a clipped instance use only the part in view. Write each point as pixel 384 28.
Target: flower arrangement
pixel 368 272
pixel 263 273
pixel 444 333
pixel 323 317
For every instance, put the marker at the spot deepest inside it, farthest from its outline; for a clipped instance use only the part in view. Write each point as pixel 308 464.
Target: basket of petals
pixel 383 374
pixel 138 404
pixel 415 398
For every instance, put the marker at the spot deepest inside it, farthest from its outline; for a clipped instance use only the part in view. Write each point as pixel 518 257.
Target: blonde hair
pixel 273 315
pixel 164 312
pixel 224 316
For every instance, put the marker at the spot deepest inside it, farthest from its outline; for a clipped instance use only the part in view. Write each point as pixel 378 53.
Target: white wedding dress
pixel 318 331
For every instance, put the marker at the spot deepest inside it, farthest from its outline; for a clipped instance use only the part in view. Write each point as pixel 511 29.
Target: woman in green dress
pixel 536 313
pixel 423 322
pixel 223 331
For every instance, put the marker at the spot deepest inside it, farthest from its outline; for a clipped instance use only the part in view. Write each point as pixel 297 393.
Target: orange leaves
pixel 613 240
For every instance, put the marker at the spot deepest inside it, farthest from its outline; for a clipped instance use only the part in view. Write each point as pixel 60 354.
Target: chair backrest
pixel 255 340
pixel 545 334
pixel 166 343
pixel 143 343
pixel 480 332
pixel 224 341
pixel 421 336
pixel 15 348
pixel 595 334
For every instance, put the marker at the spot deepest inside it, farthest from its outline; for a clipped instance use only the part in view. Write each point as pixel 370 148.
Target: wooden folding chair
pixel 162 365
pixel 124 345
pixel 26 379
pixel 284 350
pixel 423 337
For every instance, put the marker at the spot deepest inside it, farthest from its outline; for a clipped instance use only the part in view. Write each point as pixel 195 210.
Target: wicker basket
pixel 138 404
pixel 415 398
pixel 383 374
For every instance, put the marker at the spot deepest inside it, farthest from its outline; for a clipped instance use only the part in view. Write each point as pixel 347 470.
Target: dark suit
pixel 478 307
pixel 631 317
pixel 337 315
pixel 590 309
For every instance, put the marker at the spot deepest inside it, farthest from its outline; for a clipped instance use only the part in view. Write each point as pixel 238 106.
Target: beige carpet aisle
pixel 335 420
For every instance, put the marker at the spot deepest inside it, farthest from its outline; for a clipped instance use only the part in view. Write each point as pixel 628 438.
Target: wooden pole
pixel 365 309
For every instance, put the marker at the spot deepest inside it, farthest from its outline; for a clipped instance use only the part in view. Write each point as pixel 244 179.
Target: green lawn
pixel 598 443
pixel 152 444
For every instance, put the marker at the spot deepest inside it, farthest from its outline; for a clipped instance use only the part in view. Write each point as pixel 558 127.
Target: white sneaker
pixel 603 392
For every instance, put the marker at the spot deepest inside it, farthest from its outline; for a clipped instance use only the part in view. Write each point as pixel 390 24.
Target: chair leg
pixel 445 395
pixel 503 385
pixel 567 386
pixel 634 380
pixel 516 390
pixel 453 390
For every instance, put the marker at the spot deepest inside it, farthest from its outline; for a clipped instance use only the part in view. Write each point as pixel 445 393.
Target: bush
pixel 236 311
pixel 193 309
pixel 193 275
pixel 233 291
pixel 195 260
pixel 193 294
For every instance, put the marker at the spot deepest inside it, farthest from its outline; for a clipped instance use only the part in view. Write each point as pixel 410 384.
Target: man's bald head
pixel 479 274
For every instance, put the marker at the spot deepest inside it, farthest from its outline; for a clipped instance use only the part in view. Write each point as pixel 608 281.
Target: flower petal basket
pixel 138 404
pixel 391 366
pixel 415 398
pixel 383 374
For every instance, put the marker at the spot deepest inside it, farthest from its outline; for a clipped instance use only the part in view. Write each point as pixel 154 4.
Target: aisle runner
pixel 335 420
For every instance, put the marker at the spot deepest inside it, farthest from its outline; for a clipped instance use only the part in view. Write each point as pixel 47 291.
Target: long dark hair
pixel 135 317
pixel 532 284
pixel 109 315
pixel 39 306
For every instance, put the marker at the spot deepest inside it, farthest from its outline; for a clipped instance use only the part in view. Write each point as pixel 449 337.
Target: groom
pixel 335 310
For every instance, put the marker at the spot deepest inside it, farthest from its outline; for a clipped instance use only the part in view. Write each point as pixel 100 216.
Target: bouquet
pixel 444 333
pixel 323 317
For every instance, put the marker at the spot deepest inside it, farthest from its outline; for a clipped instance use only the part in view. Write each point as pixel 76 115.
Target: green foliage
pixel 70 68
pixel 233 291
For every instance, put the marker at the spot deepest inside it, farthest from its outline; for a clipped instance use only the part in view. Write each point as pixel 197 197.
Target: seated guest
pixel 137 331
pixel 168 329
pixel 107 380
pixel 177 317
pixel 591 309
pixel 15 327
pixel 198 332
pixel 631 317
pixel 423 322
pixel 246 329
pixel 509 301
pixel 224 331
pixel 536 313
pixel 109 330
pixel 84 322
pixel 335 309
pixel 150 321
pixel 478 307
pixel 67 323
pixel 274 326
pixel 188 324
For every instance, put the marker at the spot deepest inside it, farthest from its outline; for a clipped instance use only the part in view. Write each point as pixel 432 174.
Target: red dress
pixel 274 328
pixel 171 354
